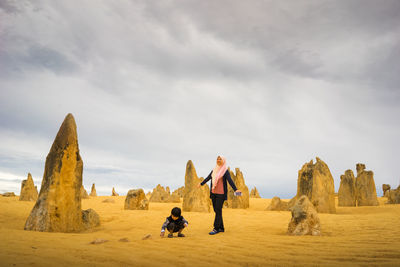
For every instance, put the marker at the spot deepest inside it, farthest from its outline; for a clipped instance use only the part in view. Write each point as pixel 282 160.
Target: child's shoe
pixel 181 235
pixel 170 235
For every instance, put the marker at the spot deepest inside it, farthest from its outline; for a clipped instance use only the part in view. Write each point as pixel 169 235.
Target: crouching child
pixel 174 223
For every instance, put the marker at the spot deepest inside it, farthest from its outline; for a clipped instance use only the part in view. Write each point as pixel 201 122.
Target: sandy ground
pixel 253 237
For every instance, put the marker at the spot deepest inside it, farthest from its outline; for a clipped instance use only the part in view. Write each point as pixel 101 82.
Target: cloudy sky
pixel 152 84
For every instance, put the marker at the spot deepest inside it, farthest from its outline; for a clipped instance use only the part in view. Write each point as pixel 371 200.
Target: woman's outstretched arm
pixel 228 177
pixel 207 179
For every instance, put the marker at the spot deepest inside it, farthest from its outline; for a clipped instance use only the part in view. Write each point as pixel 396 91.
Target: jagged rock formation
pixel 278 205
pixel 160 194
pixel 316 182
pixel 254 193
pixel 195 199
pixel 365 187
pixel 385 188
pixel 84 194
pixel 113 193
pixel 28 190
pixel 305 220
pixel 163 195
pixel 347 190
pixel 58 207
pixel 237 202
pixel 136 200
pixel 179 191
pixel 394 196
pixel 93 192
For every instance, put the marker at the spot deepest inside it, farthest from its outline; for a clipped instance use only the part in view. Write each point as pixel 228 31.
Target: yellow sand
pixel 253 237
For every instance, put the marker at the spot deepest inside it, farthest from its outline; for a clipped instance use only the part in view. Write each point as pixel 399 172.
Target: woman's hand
pixel 198 186
pixel 238 191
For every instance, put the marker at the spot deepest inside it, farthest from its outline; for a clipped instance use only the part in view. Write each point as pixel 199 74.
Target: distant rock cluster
pixel 8 194
pixel 163 195
pixel 359 191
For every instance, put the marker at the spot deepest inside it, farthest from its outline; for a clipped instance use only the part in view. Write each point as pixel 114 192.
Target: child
pixel 174 223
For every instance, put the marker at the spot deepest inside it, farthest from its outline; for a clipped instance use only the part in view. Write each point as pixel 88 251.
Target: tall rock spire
pixel 58 208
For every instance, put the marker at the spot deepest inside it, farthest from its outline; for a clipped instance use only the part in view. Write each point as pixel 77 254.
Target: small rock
pixel 148 236
pixel 108 200
pixel 124 240
pixel 98 241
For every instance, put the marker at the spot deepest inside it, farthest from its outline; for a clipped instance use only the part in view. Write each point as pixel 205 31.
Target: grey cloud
pixel 8 6
pixel 278 31
pixel 36 58
pixel 268 84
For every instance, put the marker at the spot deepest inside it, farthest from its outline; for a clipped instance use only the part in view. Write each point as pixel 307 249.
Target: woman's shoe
pixel 221 230
pixel 213 232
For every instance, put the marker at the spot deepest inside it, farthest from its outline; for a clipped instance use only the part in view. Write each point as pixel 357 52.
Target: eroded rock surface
pixel 136 200
pixel 305 220
pixel 28 190
pixel 194 198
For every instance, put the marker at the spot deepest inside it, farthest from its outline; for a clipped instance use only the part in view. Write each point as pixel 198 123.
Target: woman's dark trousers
pixel 218 202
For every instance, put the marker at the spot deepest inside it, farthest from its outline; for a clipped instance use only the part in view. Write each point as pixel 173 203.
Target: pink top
pixel 219 188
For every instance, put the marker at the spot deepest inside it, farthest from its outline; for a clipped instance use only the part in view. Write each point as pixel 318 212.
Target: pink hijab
pixel 218 172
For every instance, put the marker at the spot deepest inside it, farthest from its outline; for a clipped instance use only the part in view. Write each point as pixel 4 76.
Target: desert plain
pixel 354 236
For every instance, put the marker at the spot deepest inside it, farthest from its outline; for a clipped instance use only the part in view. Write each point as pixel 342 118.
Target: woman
pixel 218 191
